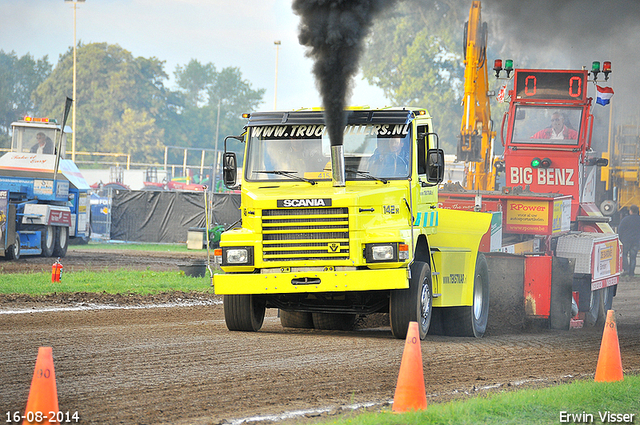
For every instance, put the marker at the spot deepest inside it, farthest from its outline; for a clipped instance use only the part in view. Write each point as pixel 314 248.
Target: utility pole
pixel 73 113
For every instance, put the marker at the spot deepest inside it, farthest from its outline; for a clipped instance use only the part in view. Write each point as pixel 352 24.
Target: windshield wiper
pixel 290 174
pixel 366 174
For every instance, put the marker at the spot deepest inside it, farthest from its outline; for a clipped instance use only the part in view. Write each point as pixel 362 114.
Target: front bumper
pixel 324 281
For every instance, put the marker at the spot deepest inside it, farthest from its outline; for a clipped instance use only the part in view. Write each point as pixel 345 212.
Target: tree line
pixel 123 102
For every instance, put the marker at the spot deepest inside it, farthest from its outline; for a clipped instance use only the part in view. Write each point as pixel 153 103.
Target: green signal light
pixel 508 64
pixel 535 162
pixel 595 66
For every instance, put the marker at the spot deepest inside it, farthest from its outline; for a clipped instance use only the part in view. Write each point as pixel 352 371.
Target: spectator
pixel 629 233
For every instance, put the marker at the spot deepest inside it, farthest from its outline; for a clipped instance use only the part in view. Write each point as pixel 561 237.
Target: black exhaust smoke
pixel 334 32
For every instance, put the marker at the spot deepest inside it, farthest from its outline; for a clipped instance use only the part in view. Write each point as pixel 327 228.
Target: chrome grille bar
pixel 305 234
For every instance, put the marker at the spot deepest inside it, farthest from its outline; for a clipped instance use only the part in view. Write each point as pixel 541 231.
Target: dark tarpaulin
pixel 166 217
pixel 225 209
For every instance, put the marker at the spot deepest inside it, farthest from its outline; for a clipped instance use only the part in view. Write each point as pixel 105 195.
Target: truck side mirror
pixel 435 165
pixel 230 169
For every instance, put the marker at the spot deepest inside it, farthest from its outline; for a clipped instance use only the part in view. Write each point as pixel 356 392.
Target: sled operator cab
pixel 43 196
pixel 31 132
pixel 548 136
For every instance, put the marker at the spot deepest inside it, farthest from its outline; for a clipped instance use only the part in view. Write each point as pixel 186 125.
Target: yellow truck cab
pixel 326 245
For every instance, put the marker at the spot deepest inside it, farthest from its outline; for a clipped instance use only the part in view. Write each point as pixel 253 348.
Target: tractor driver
pixel 390 159
pixel 43 144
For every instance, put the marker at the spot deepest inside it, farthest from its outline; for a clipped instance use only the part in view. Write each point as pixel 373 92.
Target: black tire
pixel 61 241
pixel 414 304
pixel 47 240
pixel 595 315
pixel 13 251
pixel 471 321
pixel 296 319
pixel 334 321
pixel 243 312
pixel 607 299
pixel 601 302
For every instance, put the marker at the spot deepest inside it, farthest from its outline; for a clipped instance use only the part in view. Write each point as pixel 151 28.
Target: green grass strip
pixel 590 402
pixel 113 282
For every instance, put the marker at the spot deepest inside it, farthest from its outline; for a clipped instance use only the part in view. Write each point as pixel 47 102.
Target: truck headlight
pixel 237 255
pixel 381 252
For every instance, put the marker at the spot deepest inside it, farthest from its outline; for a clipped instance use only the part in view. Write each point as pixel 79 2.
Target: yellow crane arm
pixel 476 134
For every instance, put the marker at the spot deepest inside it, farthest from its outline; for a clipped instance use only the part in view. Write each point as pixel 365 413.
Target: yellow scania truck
pixel 333 231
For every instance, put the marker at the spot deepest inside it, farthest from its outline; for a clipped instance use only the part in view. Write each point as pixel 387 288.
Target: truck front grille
pixel 305 234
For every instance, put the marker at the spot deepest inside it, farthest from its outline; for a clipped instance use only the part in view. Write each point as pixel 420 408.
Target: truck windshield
pixel 382 151
pixel 546 125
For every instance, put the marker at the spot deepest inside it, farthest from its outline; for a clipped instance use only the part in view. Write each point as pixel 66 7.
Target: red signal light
pixel 497 66
pixel 606 69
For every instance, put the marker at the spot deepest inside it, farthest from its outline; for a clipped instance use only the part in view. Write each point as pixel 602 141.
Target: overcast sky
pixel 241 33
pixel 238 33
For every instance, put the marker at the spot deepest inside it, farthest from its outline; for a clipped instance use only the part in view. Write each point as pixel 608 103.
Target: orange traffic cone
pixel 43 395
pixel 410 393
pixel 609 367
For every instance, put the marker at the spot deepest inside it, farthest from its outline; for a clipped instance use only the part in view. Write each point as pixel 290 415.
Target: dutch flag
pixel 604 95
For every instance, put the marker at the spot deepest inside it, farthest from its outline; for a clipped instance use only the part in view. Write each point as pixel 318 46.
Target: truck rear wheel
pixel 607 299
pixel 414 304
pixel 334 321
pixel 13 251
pixel 471 321
pixel 48 237
pixel 243 312
pixel 600 303
pixel 596 309
pixel 296 319
pixel 61 241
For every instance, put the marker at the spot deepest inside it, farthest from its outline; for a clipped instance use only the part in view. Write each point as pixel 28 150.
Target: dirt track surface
pixel 180 365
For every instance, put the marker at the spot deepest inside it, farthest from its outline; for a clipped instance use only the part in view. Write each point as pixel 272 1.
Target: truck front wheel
pixel 414 304
pixel 243 312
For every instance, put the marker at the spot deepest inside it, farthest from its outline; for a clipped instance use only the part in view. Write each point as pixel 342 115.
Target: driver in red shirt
pixel 557 130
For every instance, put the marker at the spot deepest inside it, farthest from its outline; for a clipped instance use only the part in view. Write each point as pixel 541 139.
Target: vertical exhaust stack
pixel 334 31
pixel 337 164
